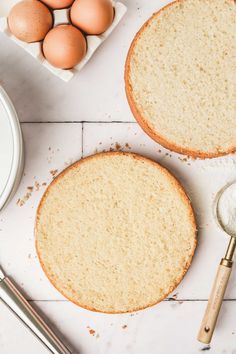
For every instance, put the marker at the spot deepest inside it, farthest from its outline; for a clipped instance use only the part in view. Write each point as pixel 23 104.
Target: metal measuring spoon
pixel 225 213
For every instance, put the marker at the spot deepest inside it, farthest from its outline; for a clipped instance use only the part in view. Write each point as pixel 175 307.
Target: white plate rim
pixel 17 162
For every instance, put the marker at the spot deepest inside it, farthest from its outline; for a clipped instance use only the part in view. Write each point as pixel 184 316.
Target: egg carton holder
pixel 63 17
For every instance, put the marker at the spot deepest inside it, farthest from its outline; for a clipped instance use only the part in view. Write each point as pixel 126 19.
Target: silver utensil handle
pixel 23 310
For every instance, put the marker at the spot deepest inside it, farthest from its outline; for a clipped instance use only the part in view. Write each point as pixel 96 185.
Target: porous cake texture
pixel 181 77
pixel 115 232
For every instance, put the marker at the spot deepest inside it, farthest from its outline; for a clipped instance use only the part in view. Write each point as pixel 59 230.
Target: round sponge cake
pixel 115 232
pixel 181 77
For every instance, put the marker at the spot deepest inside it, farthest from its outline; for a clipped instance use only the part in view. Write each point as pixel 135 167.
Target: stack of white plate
pixel 11 150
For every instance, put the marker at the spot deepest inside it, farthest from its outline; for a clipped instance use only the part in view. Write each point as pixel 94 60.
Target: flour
pixel 227 209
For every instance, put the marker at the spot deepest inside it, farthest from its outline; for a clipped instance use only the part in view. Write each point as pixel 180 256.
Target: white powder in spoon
pixel 226 209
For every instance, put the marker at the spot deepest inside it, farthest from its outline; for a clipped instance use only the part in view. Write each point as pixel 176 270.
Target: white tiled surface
pixel 94 101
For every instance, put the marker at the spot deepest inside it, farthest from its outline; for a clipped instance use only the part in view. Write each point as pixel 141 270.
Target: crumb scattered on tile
pixel 53 172
pixel 97 335
pixel 205 348
pixel 91 331
pixel 173 297
pixel 183 159
pixel 21 201
pixel 118 146
pixel 124 326
pixel 68 162
pixel 29 191
pixel 36 185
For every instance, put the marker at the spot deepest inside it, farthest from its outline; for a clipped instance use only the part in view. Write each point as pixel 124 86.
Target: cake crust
pixel 139 116
pixel 136 157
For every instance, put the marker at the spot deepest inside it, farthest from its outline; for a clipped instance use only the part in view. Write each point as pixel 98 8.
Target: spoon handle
pixel 215 301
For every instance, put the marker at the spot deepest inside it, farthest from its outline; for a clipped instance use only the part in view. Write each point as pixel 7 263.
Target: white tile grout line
pixel 82 141
pixel 165 300
pixel 80 122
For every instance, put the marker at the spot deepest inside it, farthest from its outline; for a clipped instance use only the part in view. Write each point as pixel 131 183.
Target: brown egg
pixel 30 20
pixel 92 16
pixel 58 4
pixel 64 46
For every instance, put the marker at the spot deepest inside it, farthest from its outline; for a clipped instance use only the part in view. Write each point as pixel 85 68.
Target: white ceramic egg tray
pixel 63 17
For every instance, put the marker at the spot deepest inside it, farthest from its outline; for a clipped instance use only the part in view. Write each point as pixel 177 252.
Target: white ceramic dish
pixel 11 150
pixel 62 17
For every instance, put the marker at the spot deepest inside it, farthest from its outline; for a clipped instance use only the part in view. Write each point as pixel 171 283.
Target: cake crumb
pixel 173 297
pixel 37 186
pixel 21 201
pixel 183 159
pixel 205 348
pixel 53 172
pixel 118 146
pixel 91 331
pixel 69 162
pixel 127 146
